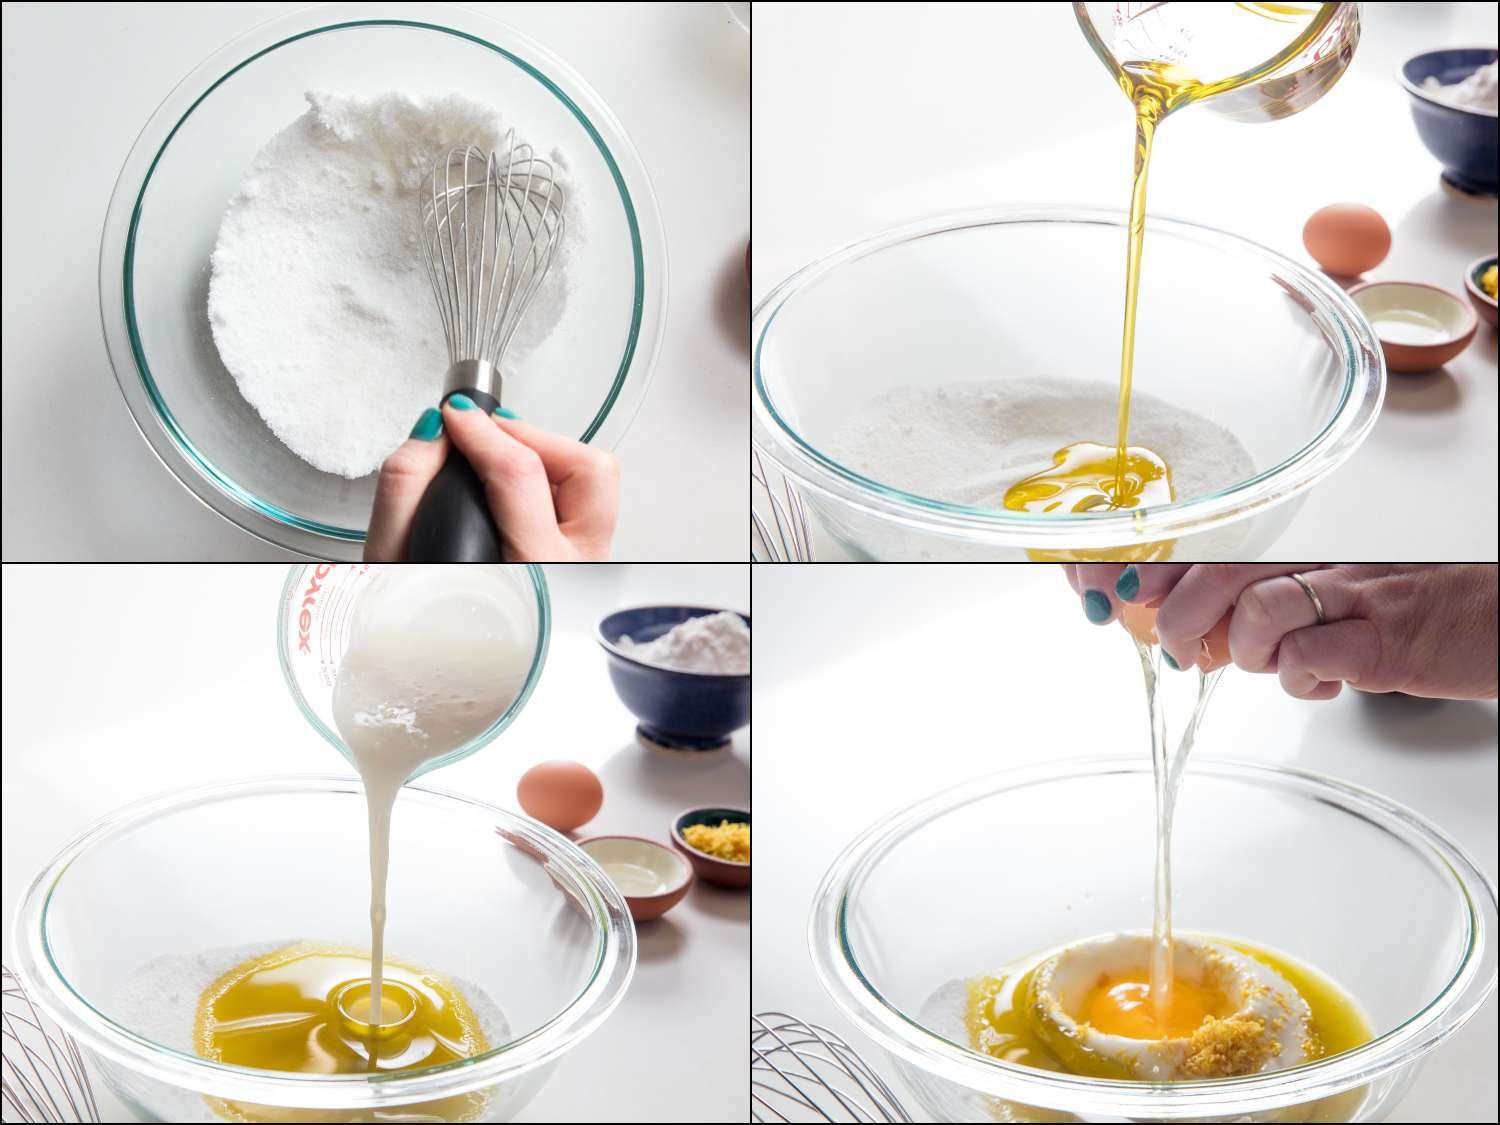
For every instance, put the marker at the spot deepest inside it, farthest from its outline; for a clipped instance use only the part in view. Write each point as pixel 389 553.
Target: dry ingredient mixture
pixel 967 444
pixel 319 301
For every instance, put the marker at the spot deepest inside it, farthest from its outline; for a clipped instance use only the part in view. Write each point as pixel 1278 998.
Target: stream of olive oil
pixel 1088 476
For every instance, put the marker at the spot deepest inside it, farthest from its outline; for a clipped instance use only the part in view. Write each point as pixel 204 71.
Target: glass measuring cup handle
pixel 1306 72
pixel 1302 81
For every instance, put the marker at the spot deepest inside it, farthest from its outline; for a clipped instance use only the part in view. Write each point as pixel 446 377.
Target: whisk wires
pixel 490 226
pixel 785 537
pixel 807 1070
pixel 44 1075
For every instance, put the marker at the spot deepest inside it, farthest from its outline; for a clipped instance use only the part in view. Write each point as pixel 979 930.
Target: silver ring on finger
pixel 1312 596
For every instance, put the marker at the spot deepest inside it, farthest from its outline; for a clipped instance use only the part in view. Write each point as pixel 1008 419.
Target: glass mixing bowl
pixel 312 634
pixel 1271 351
pixel 485 897
pixel 586 379
pixel 980 875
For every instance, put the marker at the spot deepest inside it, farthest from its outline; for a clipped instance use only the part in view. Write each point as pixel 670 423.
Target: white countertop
pixel 868 116
pixel 79 83
pixel 884 684
pixel 113 676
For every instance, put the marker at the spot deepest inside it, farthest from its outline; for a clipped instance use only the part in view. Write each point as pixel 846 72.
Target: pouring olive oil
pixel 1165 57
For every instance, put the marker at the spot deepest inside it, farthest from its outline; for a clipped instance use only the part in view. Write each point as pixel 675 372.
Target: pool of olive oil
pixel 305 1009
pixel 999 1024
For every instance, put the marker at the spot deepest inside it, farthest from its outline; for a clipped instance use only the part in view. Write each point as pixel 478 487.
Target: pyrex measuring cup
pixel 312 633
pixel 1204 40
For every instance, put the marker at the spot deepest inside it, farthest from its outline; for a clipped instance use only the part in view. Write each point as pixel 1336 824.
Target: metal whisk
pixel 786 536
pixel 490 226
pixel 811 1073
pixel 45 1078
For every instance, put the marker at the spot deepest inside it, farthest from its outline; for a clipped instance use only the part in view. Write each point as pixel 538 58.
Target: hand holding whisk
pixel 489 228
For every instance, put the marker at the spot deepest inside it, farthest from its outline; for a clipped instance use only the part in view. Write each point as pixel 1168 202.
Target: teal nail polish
pixel 1172 664
pixel 429 426
pixel 1095 607
pixel 1128 585
pixel 461 402
pixel 504 413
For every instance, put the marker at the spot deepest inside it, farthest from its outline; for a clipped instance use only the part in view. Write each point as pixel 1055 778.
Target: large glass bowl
pixel 586 380
pixel 477 894
pixel 983 874
pixel 1272 351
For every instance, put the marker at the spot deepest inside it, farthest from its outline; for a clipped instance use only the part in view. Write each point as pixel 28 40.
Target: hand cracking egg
pixel 1140 620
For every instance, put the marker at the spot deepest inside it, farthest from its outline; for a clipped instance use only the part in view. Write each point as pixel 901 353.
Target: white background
pixel 79 483
pixel 126 681
pixel 876 686
pixel 868 116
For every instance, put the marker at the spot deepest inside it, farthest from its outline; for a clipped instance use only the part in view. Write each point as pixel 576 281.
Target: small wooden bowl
pixel 1483 303
pixel 709 868
pixel 1380 299
pixel 652 877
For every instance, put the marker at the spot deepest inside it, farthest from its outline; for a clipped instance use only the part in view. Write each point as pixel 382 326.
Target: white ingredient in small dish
pixel 716 643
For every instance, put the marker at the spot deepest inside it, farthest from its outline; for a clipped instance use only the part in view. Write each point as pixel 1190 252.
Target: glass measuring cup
pixel 312 633
pixel 1246 62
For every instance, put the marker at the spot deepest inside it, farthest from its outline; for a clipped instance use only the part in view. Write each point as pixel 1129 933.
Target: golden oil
pixel 305 1009
pixel 1087 476
pixel 1000 1024
pixel 1183 53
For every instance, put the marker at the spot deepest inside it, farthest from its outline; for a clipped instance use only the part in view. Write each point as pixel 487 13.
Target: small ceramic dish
pixel 710 868
pixel 1483 303
pixel 652 877
pixel 1420 327
pixel 689 711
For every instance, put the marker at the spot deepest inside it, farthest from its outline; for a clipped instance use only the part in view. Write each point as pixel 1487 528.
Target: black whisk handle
pixel 453 521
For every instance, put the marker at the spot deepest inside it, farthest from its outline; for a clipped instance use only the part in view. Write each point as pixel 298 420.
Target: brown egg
pixel 1141 621
pixel 562 795
pixel 1347 239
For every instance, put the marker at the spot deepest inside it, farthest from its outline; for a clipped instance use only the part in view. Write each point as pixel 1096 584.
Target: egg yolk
pixel 1122 1006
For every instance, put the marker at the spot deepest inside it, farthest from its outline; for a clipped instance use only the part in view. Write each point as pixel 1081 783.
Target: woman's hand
pixel 1421 629
pixel 554 500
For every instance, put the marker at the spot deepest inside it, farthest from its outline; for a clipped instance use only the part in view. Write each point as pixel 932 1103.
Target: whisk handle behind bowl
pixel 453 521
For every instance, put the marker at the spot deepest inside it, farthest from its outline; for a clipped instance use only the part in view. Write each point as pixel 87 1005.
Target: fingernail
pixel 1095 607
pixel 461 402
pixel 1128 585
pixel 429 426
pixel 1172 664
pixel 504 413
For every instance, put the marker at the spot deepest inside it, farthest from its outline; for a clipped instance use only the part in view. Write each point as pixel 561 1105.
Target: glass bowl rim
pixel 294 580
pixel 1340 435
pixel 156 423
pixel 842 978
pixel 50 988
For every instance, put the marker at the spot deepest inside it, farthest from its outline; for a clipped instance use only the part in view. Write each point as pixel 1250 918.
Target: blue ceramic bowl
pixel 678 710
pixel 1463 140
